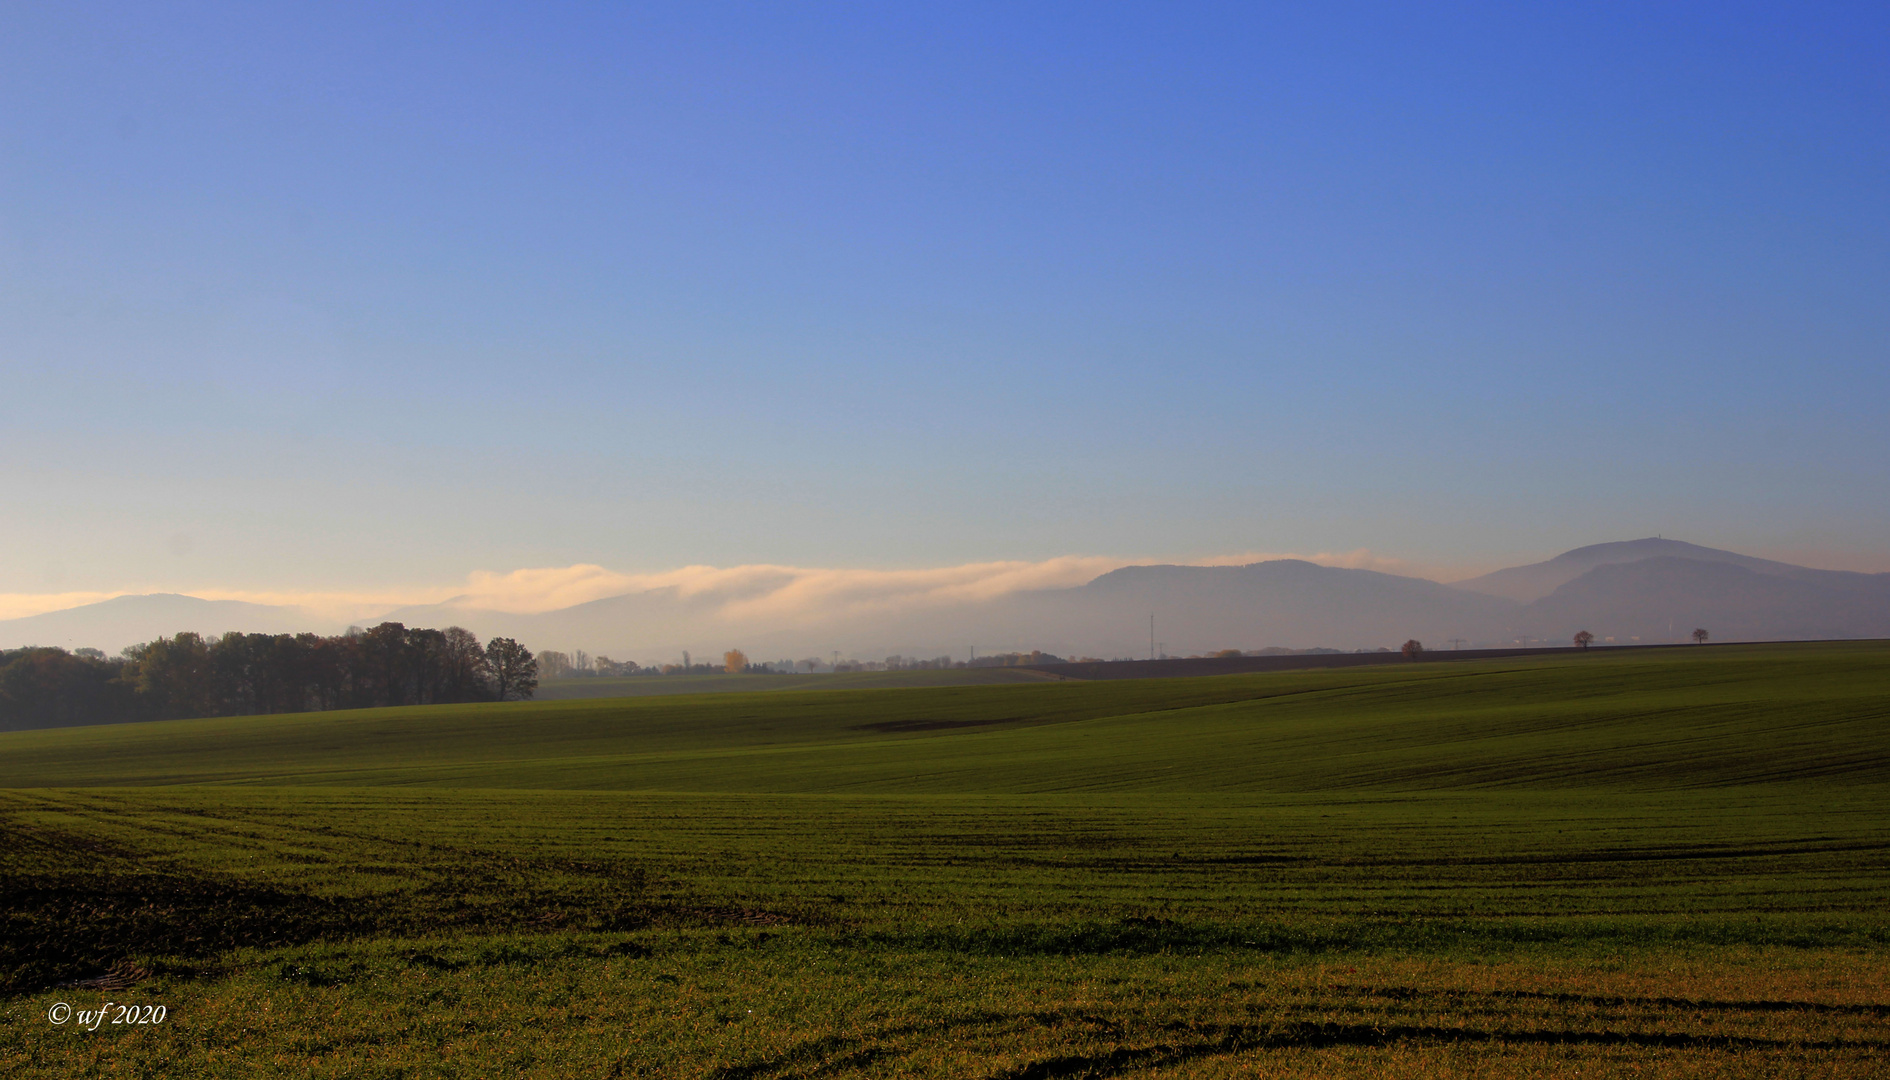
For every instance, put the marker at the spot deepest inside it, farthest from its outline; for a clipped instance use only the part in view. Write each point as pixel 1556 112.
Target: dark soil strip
pixel 71 908
pixel 1324 1036
pixel 1241 665
pixel 932 725
pixel 1404 993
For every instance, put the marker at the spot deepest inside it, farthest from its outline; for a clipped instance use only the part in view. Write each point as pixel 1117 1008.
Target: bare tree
pixel 553 664
pixel 1413 649
pixel 466 668
pixel 1583 639
pixel 1700 635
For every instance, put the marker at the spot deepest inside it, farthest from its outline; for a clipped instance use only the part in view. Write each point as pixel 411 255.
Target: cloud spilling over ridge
pixel 1356 559
pixel 785 594
pixel 21 605
pixel 795 593
pixel 774 593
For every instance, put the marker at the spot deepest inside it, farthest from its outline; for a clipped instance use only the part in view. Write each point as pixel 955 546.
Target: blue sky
pixel 329 296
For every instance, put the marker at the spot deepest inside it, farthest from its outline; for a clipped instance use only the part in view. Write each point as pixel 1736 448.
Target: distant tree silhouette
pixel 240 674
pixel 514 672
pixel 1583 639
pixel 464 669
pixel 44 686
pixel 173 675
pixel 734 660
pixel 553 664
pixel 1700 635
pixel 1015 659
pixel 1413 649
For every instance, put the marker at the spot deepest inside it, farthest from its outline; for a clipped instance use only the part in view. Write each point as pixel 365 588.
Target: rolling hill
pixel 1663 598
pixel 1525 584
pixel 112 624
pixel 1673 858
pixel 1723 716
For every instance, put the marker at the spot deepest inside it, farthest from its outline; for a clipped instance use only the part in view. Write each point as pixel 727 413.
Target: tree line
pixel 553 664
pixel 246 674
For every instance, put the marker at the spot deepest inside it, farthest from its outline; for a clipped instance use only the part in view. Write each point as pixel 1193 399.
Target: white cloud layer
pixel 758 591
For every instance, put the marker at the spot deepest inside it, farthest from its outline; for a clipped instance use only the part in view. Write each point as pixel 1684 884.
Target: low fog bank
pixel 1644 591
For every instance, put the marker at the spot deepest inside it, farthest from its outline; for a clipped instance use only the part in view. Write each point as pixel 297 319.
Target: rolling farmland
pixel 1660 863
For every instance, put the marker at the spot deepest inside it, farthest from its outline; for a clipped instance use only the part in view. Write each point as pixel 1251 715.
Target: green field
pixel 1655 864
pixel 654 685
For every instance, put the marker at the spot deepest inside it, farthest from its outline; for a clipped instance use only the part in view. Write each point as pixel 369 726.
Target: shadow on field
pixel 72 906
pixel 1143 935
pixel 1176 1042
pixel 897 726
pixel 1406 993
pixel 1308 1036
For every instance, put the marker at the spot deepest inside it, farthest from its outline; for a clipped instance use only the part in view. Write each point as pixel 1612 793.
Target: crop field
pixel 1653 865
pixel 597 686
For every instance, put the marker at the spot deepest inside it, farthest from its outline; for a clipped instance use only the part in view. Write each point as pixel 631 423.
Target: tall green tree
pixel 176 676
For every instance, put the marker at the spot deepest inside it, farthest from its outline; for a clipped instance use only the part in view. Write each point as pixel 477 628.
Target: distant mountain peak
pixel 1650 547
pixel 1537 580
pixel 138 617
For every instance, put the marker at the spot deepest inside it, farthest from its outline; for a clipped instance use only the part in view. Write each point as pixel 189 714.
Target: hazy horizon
pixel 532 590
pixel 1643 591
pixel 538 589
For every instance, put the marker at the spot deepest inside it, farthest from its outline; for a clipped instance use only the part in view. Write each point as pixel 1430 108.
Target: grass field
pixel 660 685
pixel 1659 864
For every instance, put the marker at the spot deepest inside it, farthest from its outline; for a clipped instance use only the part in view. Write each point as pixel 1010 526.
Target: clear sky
pixel 336 296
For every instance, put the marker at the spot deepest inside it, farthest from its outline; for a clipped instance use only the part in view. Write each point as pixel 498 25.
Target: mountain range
pixel 127 620
pixel 1646 591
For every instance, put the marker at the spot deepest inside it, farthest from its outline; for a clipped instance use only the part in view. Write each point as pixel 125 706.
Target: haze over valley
pixel 1634 592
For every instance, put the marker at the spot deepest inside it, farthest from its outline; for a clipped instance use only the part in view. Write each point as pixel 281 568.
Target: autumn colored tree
pixel 1583 639
pixel 734 660
pixel 1413 649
